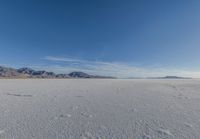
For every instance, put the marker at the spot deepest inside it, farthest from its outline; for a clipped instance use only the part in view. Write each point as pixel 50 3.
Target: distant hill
pixel 80 75
pixel 6 72
pixel 84 75
pixel 170 77
pixel 9 72
pixel 173 77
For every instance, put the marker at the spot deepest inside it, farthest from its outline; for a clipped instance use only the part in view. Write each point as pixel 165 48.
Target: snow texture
pixel 99 109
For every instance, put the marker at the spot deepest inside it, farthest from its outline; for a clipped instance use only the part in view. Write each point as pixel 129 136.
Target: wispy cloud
pixel 117 69
pixel 62 59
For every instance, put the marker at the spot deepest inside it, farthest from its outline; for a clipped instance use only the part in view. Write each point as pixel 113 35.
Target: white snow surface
pixel 99 109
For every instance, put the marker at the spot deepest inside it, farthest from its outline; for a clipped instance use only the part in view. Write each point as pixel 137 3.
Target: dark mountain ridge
pixel 6 72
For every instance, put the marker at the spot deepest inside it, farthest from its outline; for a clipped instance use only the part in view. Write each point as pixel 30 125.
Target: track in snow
pixel 99 109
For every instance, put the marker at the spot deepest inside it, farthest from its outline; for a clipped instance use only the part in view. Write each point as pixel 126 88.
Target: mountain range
pixel 6 72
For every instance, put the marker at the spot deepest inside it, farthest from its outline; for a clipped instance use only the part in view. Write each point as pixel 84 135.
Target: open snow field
pixel 99 109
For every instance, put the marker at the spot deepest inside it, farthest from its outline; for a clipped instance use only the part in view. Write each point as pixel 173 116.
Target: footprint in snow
pixel 62 116
pixel 87 135
pixel 164 132
pixel 188 125
pixel 86 115
pixel 18 95
pixel 74 108
pixel 146 136
pixel 133 109
pixel 65 116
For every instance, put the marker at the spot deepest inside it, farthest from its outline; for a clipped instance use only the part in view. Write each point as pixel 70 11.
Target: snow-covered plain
pixel 99 109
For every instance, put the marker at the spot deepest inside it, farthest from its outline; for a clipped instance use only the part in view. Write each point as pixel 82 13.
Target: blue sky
pixel 123 38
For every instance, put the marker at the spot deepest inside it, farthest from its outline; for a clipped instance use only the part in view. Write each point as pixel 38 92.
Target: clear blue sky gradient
pixel 142 33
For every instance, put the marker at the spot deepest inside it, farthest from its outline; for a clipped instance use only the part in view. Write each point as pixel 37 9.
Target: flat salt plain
pixel 99 109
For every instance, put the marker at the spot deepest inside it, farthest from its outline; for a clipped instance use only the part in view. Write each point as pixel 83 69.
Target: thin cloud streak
pixel 61 59
pixel 116 69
